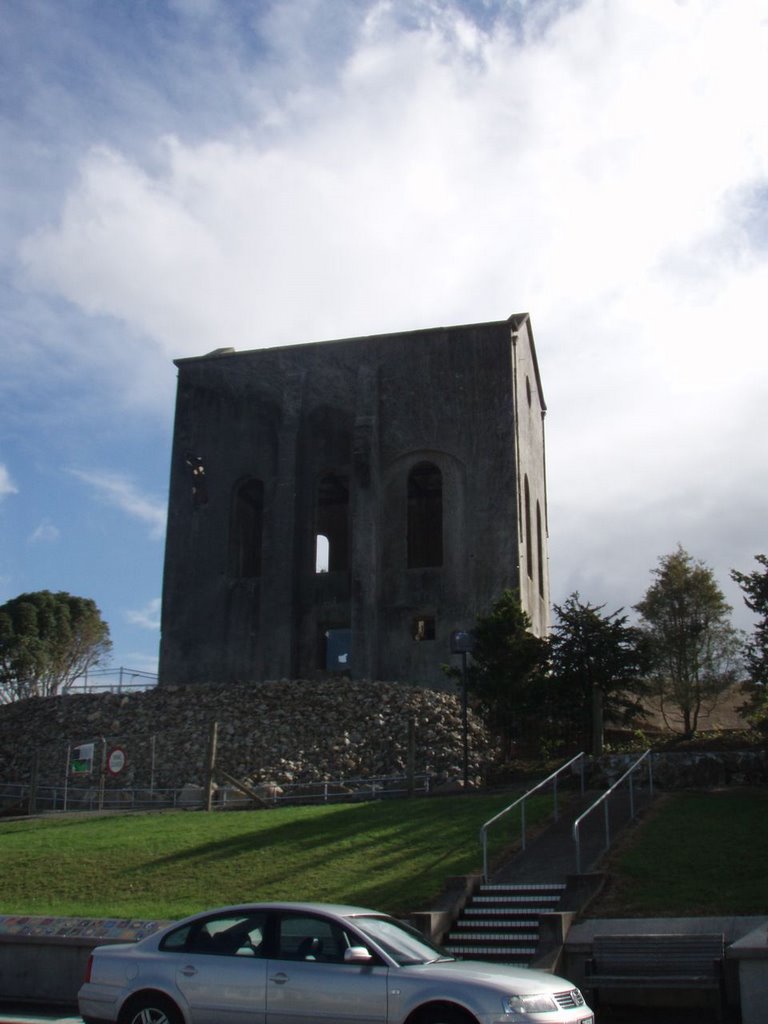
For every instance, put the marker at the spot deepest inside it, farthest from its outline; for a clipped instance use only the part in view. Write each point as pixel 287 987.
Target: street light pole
pixel 464 726
pixel 462 643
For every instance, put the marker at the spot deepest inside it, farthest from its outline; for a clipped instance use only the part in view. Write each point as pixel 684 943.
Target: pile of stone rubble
pixel 275 733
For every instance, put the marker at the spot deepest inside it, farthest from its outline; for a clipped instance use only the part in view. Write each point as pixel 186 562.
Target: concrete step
pixel 501 922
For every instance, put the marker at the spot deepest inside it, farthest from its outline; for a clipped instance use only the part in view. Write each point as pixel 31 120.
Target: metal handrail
pixel 628 774
pixel 521 801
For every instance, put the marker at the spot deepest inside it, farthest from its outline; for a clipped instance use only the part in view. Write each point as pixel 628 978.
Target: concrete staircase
pixel 500 923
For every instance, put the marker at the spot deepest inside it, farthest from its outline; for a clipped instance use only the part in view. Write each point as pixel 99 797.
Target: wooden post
pixel 410 757
pixel 32 804
pixel 211 765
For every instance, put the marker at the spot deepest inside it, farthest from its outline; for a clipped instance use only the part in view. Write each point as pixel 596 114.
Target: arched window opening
pixel 322 549
pixel 425 516
pixel 332 533
pixel 528 544
pixel 247 529
pixel 540 549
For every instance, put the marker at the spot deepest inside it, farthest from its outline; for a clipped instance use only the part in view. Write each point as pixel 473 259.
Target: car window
pixel 311 938
pixel 228 934
pixel 403 943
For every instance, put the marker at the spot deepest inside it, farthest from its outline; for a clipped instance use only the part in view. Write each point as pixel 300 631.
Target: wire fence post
pixel 152 745
pixel 210 765
pixel 66 778
pixel 102 771
pixel 410 759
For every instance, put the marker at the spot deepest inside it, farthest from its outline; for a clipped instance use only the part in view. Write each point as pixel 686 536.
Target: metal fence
pixel 114 680
pixel 26 798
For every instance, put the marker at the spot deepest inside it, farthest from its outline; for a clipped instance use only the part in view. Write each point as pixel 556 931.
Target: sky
pixel 178 176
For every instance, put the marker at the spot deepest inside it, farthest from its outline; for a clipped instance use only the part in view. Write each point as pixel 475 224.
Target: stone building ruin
pixel 345 506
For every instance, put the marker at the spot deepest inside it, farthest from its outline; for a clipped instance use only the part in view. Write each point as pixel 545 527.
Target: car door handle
pixel 279 979
pixel 189 971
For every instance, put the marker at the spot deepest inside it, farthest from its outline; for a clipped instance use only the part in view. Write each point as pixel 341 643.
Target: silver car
pixel 311 963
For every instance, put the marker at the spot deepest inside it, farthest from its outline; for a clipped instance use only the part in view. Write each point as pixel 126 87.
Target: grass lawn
pixel 695 854
pixel 391 855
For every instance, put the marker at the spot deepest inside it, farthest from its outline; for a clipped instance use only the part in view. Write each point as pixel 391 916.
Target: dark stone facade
pixel 416 458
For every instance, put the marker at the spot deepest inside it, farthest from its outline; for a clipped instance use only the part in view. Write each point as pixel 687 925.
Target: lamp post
pixel 462 643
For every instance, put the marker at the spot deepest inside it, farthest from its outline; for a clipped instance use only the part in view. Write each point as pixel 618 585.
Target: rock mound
pixel 279 732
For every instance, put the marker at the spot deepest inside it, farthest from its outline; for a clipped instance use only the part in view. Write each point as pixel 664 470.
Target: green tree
pixel 695 651
pixel 755 588
pixel 598 667
pixel 47 640
pixel 508 665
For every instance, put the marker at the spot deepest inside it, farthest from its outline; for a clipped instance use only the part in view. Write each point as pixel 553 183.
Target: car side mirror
pixel 357 955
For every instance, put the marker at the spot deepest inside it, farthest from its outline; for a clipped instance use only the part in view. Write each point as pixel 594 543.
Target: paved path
pixel 36 1015
pixel 551 856
pixel 654 1016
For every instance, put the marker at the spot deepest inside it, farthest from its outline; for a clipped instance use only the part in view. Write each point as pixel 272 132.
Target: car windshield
pixel 404 944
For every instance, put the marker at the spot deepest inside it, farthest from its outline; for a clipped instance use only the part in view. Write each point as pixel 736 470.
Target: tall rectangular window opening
pixel 246 529
pixel 423 628
pixel 332 524
pixel 425 516
pixel 540 549
pixel 528 539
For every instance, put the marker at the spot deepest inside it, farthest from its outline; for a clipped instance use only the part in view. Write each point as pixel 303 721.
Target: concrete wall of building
pixel 533 530
pixel 358 416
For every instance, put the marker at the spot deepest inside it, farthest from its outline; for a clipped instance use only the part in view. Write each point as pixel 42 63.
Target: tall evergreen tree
pixel 508 664
pixel 755 588
pixel 598 666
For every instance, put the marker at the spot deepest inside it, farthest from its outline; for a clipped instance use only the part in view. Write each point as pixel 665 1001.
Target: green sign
pixel 81 762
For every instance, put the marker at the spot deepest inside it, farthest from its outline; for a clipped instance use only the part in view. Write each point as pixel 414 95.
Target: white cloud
pixel 7 486
pixel 147 617
pixel 122 493
pixel 603 166
pixel 586 169
pixel 45 533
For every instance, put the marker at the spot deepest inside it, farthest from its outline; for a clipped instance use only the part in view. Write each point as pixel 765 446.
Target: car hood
pixel 521 980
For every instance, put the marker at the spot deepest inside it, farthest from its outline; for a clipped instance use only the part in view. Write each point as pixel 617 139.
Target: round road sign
pixel 116 761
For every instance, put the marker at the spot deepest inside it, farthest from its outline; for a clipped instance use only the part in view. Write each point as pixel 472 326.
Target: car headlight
pixel 529 1004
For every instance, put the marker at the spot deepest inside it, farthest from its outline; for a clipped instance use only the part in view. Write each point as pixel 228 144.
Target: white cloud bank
pixel 147 617
pixel 606 170
pixel 122 493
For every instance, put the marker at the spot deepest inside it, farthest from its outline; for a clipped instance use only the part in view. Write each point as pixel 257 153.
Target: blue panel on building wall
pixel 337 649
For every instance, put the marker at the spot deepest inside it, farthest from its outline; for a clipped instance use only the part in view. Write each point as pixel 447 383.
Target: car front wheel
pixel 150 1009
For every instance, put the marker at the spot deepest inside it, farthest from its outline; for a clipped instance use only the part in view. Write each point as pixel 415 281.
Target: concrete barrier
pixel 751 954
pixel 43 959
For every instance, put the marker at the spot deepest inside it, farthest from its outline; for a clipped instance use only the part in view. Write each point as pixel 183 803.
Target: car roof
pixel 338 909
